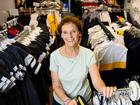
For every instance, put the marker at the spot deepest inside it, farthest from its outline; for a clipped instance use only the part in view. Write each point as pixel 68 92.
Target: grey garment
pixel 135 32
pixel 99 100
pixel 85 15
pixel 90 102
pixel 91 15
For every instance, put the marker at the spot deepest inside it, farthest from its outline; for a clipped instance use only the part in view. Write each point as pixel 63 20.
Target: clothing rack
pixel 50 4
pixel 104 7
pixel 101 6
pixel 36 68
pixel 5 26
pixel 10 23
pixel 131 91
pixel 121 97
pixel 53 18
pixel 125 95
pixel 46 11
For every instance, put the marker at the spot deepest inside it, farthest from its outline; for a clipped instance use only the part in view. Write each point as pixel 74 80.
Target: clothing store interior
pixel 29 31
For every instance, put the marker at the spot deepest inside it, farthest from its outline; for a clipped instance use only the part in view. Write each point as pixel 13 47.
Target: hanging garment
pixel 52 22
pixel 132 42
pixel 110 55
pixel 111 60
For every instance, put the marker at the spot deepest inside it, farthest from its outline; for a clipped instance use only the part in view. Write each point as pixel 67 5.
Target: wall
pixel 5 5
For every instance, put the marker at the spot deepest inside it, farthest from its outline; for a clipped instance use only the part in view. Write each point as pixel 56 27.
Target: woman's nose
pixel 70 34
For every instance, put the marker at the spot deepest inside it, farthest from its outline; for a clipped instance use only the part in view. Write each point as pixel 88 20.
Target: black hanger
pixel 108 33
pixel 81 100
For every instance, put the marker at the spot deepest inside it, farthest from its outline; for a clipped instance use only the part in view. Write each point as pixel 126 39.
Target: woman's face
pixel 70 34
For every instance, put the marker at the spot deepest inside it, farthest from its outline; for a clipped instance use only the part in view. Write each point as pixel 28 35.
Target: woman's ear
pixel 80 37
pixel 61 35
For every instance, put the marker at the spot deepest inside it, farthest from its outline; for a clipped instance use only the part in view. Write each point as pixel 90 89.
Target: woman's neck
pixel 71 51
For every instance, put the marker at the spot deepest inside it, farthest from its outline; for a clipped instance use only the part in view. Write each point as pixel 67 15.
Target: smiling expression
pixel 70 34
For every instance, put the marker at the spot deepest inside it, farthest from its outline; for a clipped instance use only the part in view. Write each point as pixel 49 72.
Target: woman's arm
pixel 96 78
pixel 98 83
pixel 57 87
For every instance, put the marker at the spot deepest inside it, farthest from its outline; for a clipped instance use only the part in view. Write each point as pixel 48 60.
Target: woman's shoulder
pixel 84 49
pixel 55 52
pixel 58 51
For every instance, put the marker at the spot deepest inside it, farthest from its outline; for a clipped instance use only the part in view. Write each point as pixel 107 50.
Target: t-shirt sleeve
pixel 91 59
pixel 53 63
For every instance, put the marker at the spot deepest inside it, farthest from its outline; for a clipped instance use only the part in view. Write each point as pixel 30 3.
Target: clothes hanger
pixel 81 100
pixel 12 22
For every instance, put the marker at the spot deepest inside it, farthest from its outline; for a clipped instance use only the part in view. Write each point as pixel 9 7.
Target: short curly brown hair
pixel 71 19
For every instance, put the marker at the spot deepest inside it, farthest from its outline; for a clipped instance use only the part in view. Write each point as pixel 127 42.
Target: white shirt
pixel 110 55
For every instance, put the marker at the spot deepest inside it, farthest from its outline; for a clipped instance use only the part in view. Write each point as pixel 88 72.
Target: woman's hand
pixel 72 102
pixel 108 91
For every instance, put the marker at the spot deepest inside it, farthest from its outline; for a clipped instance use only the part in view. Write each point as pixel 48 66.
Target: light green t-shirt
pixel 73 72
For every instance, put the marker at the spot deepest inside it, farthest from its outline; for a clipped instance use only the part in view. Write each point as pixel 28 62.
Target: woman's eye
pixel 74 31
pixel 71 32
pixel 64 32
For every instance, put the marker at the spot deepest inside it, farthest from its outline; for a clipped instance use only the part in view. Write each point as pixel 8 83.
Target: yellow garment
pixel 120 32
pixel 113 2
pixel 18 2
pixel 53 23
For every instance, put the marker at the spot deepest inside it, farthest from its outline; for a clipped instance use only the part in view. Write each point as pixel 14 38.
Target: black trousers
pixel 54 102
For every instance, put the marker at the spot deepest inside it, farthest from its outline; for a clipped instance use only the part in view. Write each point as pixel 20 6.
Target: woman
pixel 70 65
